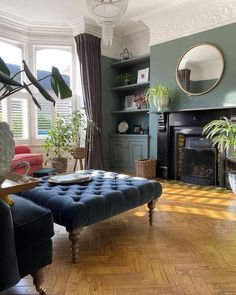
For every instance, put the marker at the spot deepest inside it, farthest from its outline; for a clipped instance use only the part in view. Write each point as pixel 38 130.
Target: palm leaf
pixel 36 83
pixel 5 79
pixel 58 84
pixel 4 68
pixel 31 94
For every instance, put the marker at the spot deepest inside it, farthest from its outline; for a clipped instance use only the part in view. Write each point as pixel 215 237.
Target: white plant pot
pixel 232 181
pixel 161 102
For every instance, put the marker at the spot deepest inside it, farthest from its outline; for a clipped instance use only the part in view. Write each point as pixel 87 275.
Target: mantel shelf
pixel 130 86
pixel 131 111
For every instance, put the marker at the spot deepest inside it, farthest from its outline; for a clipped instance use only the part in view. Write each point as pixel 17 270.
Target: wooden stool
pixel 79 153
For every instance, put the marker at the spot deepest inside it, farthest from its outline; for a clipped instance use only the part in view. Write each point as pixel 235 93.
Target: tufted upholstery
pixel 107 194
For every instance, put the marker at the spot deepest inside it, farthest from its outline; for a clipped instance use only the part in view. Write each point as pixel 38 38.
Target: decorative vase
pixel 7 150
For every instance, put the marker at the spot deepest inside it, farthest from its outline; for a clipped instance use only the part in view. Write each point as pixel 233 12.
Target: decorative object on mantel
pixel 158 96
pixel 125 54
pixel 223 135
pixel 107 14
pixel 7 150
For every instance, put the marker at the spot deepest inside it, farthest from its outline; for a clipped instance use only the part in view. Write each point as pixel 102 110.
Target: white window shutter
pixel 19 117
pixel 44 118
pixel 64 108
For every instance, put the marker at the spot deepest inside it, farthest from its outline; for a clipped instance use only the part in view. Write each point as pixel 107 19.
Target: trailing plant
pixel 158 96
pixel 222 134
pixel 9 84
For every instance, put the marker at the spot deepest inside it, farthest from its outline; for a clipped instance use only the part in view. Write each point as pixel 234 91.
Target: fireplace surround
pixel 184 153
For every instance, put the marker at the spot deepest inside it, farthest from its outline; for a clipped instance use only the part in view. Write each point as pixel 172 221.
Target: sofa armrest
pixel 9 273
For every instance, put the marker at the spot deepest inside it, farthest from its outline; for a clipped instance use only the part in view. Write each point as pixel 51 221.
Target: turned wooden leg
pixel 74 238
pixel 38 280
pixel 151 207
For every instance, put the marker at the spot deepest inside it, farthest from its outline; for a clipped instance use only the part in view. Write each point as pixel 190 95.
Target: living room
pixel 190 247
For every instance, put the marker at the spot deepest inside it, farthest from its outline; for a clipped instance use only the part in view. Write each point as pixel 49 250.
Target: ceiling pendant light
pixel 107 14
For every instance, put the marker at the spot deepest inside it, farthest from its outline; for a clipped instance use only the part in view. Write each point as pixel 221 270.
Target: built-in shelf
pixel 131 111
pixel 130 86
pixel 131 61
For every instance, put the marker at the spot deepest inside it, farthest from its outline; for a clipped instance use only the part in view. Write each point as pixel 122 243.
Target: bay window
pixel 28 123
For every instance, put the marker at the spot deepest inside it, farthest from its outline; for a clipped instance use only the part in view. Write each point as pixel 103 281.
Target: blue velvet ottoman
pixel 107 194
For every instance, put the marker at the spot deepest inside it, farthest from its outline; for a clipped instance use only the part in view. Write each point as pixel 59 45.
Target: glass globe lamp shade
pixel 107 14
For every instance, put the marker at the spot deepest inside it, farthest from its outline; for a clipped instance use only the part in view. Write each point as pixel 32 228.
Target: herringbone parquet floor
pixel 190 249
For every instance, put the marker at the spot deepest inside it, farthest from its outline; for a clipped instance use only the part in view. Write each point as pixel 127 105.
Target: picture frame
pixel 143 75
pixel 130 102
pixel 137 129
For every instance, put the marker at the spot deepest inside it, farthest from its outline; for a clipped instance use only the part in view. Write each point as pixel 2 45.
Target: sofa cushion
pixel 22 149
pixel 30 222
pixel 32 159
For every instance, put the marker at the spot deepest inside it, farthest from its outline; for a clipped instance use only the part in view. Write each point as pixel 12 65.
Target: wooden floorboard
pixel 190 249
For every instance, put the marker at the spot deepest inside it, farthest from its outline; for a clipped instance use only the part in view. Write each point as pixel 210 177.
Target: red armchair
pixel 23 153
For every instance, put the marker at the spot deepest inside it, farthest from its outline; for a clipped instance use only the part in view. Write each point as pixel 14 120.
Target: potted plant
pixel 158 96
pixel 10 84
pixel 57 144
pixel 223 135
pixel 124 79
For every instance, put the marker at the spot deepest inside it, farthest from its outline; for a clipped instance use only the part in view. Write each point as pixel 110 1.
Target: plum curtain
pixel 89 53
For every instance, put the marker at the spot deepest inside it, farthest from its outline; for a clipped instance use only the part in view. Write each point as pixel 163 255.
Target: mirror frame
pixel 218 80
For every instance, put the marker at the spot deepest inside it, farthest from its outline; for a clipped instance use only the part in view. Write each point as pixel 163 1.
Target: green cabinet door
pixel 119 154
pixel 127 148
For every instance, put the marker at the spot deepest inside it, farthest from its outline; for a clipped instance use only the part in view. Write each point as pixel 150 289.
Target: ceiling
pixel 67 11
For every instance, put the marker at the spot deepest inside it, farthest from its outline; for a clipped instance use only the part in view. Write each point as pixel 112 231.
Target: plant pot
pixel 162 102
pixel 60 164
pixel 232 180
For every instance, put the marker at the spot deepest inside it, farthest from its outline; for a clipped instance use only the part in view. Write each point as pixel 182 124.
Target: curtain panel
pixel 89 54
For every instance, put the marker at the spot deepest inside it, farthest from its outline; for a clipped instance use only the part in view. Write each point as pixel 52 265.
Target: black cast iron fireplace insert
pixel 199 161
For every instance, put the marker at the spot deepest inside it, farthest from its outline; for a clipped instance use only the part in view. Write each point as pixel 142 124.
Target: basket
pixel 146 168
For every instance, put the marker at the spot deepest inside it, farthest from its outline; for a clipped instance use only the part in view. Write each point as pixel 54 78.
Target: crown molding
pixel 189 17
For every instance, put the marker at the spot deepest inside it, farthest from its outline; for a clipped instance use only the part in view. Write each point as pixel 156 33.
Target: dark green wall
pixel 165 56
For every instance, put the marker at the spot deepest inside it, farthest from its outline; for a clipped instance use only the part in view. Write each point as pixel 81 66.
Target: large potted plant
pixel 58 145
pixel 158 96
pixel 223 135
pixel 10 84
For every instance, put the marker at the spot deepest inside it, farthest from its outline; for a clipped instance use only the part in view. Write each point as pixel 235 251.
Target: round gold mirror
pixel 200 69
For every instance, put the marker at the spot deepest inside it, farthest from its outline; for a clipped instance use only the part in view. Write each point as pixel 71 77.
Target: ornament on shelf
pixel 125 54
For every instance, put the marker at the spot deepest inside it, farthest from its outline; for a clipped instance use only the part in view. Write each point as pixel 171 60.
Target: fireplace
pixel 199 161
pixel 184 153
